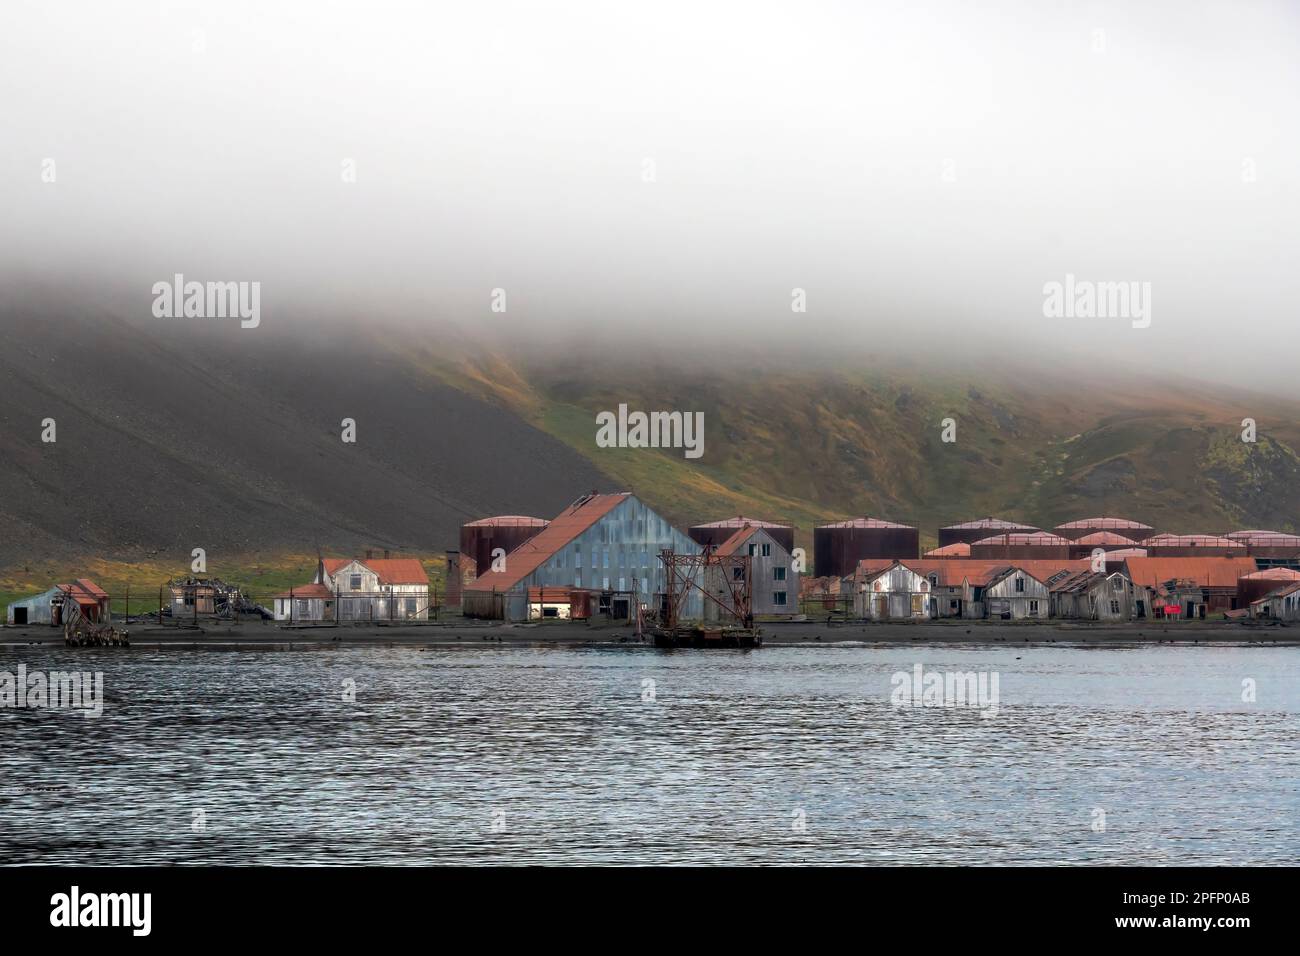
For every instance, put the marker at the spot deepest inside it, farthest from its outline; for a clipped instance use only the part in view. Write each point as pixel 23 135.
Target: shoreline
pixel 779 634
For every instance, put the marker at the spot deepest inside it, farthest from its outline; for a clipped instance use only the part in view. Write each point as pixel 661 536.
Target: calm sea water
pixel 781 755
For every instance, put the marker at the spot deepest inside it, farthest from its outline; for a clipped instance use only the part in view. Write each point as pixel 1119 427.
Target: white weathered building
pixel 1094 596
pixel 890 591
pixel 1014 594
pixel 773 584
pixel 1281 604
pixel 355 590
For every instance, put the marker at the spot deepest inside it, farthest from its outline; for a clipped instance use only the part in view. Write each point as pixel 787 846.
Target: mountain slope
pixel 197 435
pixel 185 434
pixel 808 443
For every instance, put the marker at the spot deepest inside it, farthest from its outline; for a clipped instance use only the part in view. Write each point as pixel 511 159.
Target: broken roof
pixel 1218 572
pixel 951 572
pixel 1281 592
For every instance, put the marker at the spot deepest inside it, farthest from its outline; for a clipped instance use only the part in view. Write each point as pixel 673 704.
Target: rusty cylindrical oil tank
pixel 838 547
pixel 1253 586
pixel 968 532
pixel 1134 530
pixel 1193 546
pixel 1036 545
pixel 478 539
pixel 716 532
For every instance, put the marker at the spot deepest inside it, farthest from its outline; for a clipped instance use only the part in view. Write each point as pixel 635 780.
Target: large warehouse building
pixel 602 549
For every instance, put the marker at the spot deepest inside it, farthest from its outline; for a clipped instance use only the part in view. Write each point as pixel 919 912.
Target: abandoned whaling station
pixel 612 558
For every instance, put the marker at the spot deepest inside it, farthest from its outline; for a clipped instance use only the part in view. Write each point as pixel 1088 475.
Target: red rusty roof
pixel 84 591
pixel 980 571
pixel 1272 574
pixel 1101 538
pixel 959 549
pixel 540 548
pixel 388 570
pixel 740 521
pixel 1190 541
pixel 993 524
pixel 307 592
pixel 1123 553
pixel 733 543
pixel 871 567
pixel 1217 572
pixel 1105 524
pixel 1034 539
pixel 507 521
pixel 550 595
pixel 866 522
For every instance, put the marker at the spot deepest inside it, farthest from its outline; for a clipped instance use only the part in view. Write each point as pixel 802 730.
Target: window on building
pixel 1020 585
pixel 778 573
pixel 751 550
pixel 767 550
pixel 356 582
pixel 738 574
pixel 778 598
pixel 577 579
pixel 605 586
pixel 622 584
pixel 645 585
pixel 1033 607
pixel 410 605
pixel 595 558
pixel 1114 607
pixel 606 554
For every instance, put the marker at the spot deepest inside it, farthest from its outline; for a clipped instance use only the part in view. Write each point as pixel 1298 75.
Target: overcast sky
pixel 920 169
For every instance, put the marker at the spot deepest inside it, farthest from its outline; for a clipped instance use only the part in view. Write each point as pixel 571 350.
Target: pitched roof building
pixel 605 543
